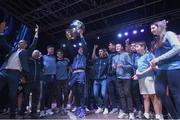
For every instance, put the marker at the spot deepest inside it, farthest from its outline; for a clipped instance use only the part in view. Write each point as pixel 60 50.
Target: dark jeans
pixel 100 86
pixel 79 77
pixel 10 78
pixel 61 89
pixel 78 91
pixel 112 92
pixel 170 79
pixel 4 98
pixel 34 88
pixel 123 86
pixel 137 98
pixel 48 93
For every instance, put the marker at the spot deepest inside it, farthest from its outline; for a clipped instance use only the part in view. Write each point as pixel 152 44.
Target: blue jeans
pixel 100 86
pixel 78 91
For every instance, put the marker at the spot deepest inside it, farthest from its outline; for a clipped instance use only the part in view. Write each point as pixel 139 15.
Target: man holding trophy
pixel 77 49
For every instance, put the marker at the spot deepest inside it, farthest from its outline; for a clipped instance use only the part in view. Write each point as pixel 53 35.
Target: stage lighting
pixel 134 32
pixel 126 33
pixel 64 45
pixel 142 30
pixel 80 44
pixel 74 45
pixel 119 35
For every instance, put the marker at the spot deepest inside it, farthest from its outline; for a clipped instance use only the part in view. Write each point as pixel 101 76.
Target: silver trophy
pixel 74 29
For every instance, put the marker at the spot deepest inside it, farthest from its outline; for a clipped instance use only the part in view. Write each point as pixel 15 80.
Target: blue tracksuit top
pixel 168 53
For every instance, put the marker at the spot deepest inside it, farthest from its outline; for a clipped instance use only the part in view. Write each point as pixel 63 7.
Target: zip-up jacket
pixel 100 68
pixel 168 53
pixel 124 59
pixel 35 66
pixel 111 71
pixel 79 62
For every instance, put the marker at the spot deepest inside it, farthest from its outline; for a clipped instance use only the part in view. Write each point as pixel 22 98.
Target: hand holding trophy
pixel 75 29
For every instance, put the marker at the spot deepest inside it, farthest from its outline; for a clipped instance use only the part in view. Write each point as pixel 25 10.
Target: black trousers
pixel 137 98
pixel 34 88
pixel 48 93
pixel 4 98
pixel 10 78
pixel 123 86
pixel 61 89
pixel 112 92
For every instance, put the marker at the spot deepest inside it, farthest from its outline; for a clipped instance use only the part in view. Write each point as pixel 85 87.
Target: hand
pixel 81 32
pixel 127 41
pixel 155 67
pixel 119 65
pixel 23 81
pixel 135 77
pixel 37 28
pixel 113 66
pixel 96 46
pixel 2 27
pixel 154 62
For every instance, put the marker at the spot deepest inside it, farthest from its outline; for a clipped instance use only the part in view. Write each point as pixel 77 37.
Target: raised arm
pixel 84 44
pixel 127 45
pixel 3 42
pixel 94 52
pixel 35 40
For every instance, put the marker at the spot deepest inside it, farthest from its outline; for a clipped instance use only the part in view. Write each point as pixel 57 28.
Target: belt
pixel 14 70
pixel 77 71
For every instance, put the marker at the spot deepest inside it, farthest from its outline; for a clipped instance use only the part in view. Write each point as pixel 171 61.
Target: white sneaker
pixel 146 115
pixel 131 116
pixel 99 110
pixel 159 117
pixel 49 112
pixel 74 109
pixel 122 115
pixel 87 110
pixel 68 107
pixel 139 115
pixel 105 111
pixel 42 113
pixel 114 110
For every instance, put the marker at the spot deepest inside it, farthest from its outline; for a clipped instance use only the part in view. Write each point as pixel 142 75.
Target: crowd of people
pixel 132 80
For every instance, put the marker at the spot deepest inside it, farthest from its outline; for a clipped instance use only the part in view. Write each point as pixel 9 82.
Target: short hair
pixel 112 42
pixel 59 50
pixel 24 41
pixel 50 46
pixel 121 45
pixel 142 43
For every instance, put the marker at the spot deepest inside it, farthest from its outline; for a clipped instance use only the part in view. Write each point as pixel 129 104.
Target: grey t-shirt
pixel 62 69
pixel 49 62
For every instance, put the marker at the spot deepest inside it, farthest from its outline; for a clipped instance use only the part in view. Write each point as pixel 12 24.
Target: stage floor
pixel 70 115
